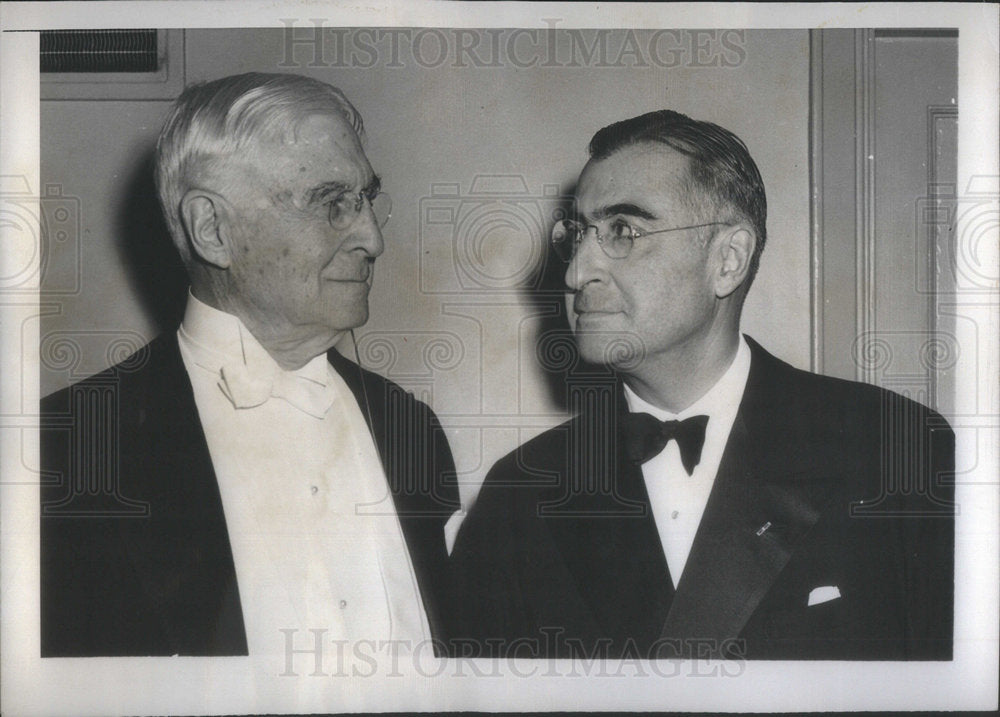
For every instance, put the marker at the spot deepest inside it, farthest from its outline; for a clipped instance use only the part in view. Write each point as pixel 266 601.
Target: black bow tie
pixel 644 436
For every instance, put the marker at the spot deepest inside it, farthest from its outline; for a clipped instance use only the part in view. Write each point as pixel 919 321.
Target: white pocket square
pixel 823 594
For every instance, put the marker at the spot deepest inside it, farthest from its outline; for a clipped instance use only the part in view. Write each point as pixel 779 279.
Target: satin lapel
pixel 415 463
pixel 181 550
pixel 600 520
pixel 760 508
pixel 407 442
pixel 385 408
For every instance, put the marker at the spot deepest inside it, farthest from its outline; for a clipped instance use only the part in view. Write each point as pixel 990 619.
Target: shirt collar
pixel 216 338
pixel 722 398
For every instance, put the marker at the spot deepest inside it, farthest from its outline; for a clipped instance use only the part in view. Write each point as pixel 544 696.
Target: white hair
pixel 213 121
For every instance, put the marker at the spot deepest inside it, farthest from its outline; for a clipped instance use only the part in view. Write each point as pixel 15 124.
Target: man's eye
pixel 340 208
pixel 620 229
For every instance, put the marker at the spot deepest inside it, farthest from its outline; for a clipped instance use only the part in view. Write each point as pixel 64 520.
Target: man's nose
pixel 584 267
pixel 366 235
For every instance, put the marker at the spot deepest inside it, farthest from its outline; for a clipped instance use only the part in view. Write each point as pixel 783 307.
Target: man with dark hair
pixel 709 500
pixel 237 486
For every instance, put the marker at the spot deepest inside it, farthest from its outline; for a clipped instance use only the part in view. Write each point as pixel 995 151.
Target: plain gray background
pixel 479 136
pixel 450 317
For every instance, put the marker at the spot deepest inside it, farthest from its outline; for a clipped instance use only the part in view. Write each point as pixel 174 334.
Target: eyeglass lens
pixel 344 212
pixel 615 241
pixel 382 208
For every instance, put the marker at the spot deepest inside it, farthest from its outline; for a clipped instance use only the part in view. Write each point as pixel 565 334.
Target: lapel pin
pixel 763 529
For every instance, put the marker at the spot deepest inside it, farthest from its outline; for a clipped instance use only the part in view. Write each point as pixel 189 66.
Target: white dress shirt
pixel 297 490
pixel 678 500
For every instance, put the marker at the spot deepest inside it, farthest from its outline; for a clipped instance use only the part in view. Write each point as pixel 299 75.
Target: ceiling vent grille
pixel 111 51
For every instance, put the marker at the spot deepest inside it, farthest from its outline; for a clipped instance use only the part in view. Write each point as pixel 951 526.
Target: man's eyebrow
pixel 623 208
pixel 322 191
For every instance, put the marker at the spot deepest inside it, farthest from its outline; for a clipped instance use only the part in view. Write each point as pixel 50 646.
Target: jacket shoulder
pixel 533 462
pixel 830 399
pixel 144 366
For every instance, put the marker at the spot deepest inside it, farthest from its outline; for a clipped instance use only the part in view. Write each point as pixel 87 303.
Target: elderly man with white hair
pixel 277 489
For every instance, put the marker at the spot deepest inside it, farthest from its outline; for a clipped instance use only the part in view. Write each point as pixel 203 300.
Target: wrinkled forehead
pixel 325 127
pixel 646 174
pixel 318 147
pixel 323 134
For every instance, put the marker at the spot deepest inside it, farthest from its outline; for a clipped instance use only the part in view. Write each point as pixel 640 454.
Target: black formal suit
pixel 135 553
pixel 823 484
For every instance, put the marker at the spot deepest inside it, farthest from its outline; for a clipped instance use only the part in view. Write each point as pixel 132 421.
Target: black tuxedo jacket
pixel 135 553
pixel 823 484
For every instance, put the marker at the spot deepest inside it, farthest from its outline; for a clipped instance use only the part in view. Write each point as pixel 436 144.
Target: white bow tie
pixel 247 389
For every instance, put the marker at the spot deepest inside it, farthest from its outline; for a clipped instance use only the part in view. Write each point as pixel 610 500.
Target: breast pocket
pixel 835 617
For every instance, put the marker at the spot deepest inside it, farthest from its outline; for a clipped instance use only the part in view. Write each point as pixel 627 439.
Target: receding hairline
pixel 268 152
pixel 685 187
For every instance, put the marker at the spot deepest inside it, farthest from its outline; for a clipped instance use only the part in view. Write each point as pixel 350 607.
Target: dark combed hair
pixel 720 166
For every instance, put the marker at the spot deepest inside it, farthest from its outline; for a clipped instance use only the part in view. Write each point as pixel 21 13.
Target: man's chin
pixel 618 350
pixel 340 320
pixel 357 320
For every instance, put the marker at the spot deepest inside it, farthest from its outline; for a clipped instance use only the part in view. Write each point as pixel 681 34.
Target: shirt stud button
pixel 343 604
pixel 314 489
pixel 674 515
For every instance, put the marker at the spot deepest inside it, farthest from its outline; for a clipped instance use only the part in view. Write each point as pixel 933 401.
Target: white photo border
pixel 93 686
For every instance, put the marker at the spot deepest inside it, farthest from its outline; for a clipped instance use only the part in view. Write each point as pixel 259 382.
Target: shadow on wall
pixel 556 354
pixel 155 269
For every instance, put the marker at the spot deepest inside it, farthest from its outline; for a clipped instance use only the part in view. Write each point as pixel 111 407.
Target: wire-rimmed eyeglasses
pixel 616 242
pixel 344 210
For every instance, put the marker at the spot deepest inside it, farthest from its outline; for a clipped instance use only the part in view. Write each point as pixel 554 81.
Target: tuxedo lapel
pixel 181 550
pixel 600 520
pixel 761 506
pixel 400 435
pixel 416 458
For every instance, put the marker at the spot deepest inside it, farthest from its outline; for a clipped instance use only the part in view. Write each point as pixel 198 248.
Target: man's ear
pixel 735 251
pixel 203 213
